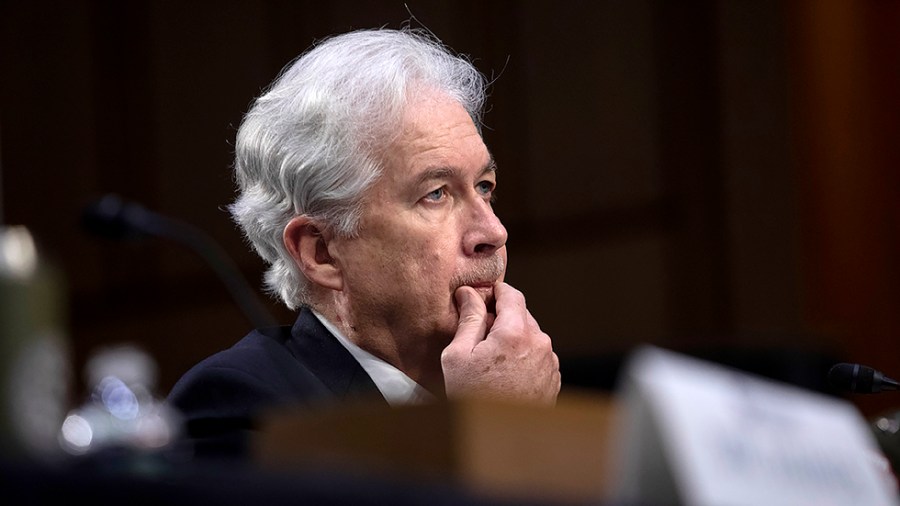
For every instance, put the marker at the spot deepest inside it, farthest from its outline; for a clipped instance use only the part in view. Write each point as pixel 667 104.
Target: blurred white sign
pixel 699 434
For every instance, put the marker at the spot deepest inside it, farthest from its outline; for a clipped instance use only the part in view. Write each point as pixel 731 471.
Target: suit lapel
pixel 324 356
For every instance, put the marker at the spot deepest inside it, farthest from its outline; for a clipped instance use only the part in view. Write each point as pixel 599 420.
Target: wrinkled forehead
pixel 436 131
pixel 416 112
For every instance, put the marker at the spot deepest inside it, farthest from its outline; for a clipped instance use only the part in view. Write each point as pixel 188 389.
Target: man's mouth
pixel 486 290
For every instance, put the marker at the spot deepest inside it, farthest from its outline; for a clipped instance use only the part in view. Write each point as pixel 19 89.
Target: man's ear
pixel 307 243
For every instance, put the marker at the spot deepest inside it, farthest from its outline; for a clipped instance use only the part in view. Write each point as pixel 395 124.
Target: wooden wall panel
pixel 847 57
pixel 634 139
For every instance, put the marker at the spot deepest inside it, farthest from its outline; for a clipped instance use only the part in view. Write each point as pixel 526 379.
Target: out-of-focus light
pixel 118 399
pixel 154 431
pixel 887 425
pixel 77 434
pixel 18 253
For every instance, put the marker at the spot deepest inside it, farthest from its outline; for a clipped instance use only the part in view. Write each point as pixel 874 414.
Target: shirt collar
pixel 396 387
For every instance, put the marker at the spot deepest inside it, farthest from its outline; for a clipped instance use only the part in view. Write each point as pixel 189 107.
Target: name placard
pixel 697 433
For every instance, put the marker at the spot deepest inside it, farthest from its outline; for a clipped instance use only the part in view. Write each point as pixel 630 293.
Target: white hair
pixel 309 145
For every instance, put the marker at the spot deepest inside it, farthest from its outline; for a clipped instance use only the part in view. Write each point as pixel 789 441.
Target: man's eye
pixel 435 195
pixel 485 187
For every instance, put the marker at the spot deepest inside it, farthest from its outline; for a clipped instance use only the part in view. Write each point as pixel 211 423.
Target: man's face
pixel 427 228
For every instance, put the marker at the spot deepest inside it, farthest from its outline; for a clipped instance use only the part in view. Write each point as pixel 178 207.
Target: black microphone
pixel 113 218
pixel 860 379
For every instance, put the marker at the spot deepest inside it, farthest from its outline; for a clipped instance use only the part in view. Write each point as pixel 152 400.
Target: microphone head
pixel 112 218
pixel 855 378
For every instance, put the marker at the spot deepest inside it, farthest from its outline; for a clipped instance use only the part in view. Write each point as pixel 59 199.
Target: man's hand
pixel 499 357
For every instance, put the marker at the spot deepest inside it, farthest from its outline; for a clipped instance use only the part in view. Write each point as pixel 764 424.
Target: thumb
pixel 472 325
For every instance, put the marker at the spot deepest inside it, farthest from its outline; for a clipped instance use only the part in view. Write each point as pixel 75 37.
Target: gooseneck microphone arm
pixel 860 379
pixel 112 218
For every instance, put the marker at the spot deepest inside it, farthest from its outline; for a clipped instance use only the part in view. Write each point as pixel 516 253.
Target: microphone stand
pixel 111 217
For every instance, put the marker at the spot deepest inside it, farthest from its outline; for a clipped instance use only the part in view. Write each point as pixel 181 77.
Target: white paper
pixel 720 437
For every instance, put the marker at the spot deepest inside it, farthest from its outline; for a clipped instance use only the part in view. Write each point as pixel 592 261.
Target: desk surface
pixel 128 479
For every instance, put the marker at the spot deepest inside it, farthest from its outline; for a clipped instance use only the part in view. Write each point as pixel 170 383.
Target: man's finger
pixel 510 306
pixel 472 318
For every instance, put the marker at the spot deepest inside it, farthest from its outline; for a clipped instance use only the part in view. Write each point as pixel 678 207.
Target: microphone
pixel 112 218
pixel 860 379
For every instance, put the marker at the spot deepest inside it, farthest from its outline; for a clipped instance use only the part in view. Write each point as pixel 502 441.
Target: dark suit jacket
pixel 222 397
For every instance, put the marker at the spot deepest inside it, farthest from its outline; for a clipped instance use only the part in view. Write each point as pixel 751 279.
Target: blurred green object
pixel 35 367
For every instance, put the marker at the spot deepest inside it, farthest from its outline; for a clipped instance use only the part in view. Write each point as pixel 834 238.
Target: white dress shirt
pixel 396 387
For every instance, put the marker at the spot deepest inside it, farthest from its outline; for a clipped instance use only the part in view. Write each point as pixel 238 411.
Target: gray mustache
pixel 482 270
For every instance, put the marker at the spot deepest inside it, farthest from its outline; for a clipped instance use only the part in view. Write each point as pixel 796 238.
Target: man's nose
pixel 485 234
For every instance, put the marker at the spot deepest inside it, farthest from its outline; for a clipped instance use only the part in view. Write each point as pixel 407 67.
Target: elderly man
pixel 365 185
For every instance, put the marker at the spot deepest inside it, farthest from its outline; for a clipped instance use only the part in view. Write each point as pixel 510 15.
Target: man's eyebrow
pixel 490 166
pixel 436 173
pixel 450 172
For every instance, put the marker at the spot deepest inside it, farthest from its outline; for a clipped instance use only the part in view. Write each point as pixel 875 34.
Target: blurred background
pixel 715 177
